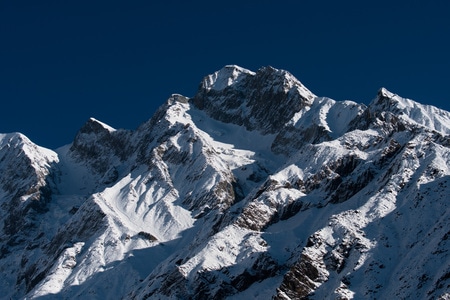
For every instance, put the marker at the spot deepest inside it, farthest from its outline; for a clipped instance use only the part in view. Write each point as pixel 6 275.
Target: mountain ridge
pixel 253 188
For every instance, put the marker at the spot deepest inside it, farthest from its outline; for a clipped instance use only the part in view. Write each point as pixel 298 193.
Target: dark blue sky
pixel 62 62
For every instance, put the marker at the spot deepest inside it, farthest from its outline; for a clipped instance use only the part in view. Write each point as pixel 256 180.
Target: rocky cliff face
pixel 263 101
pixel 255 188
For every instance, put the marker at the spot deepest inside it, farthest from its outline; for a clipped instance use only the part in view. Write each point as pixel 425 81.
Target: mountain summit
pixel 254 188
pixel 263 101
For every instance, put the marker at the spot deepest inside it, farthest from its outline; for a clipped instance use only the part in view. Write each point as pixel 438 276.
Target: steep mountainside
pixel 254 188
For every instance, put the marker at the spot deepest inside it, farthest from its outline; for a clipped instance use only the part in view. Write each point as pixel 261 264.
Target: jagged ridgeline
pixel 254 188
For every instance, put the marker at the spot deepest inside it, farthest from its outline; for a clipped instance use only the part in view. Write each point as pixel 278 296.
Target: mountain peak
pixel 383 92
pixel 95 139
pixel 228 75
pixel 94 125
pixel 284 80
pixel 15 138
pixel 272 70
pixel 265 100
pixel 411 111
pixel 92 131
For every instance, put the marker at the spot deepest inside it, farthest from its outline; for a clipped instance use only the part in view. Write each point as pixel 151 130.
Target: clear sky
pixel 62 62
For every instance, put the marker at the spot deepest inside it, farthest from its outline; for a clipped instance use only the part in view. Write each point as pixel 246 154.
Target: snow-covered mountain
pixel 255 188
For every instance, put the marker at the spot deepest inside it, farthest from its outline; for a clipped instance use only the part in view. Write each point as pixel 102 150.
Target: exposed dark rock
pixel 147 236
pixel 264 267
pixel 265 101
pixel 291 138
pixel 300 281
pixel 98 145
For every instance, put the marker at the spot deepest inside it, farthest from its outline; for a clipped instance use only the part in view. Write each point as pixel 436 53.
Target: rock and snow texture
pixel 254 188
